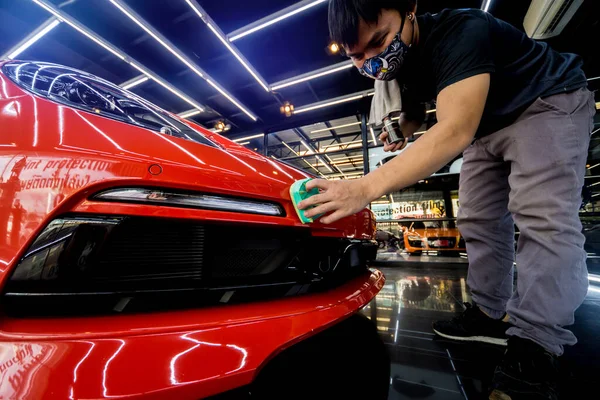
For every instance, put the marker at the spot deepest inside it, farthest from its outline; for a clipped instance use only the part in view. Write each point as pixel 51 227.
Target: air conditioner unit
pixel 548 18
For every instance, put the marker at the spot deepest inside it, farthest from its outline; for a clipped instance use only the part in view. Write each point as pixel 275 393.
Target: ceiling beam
pixel 210 23
pixel 305 141
pixel 274 18
pixel 334 101
pixel 343 66
pixel 66 18
pixel 164 42
pixel 30 39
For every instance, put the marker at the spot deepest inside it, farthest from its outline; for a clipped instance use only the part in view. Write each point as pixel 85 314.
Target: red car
pixel 142 256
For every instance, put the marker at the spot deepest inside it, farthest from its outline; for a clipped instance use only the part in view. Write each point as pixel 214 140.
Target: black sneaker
pixel 527 372
pixel 473 326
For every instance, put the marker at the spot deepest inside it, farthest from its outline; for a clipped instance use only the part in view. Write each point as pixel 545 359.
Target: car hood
pixel 130 151
pixel 57 157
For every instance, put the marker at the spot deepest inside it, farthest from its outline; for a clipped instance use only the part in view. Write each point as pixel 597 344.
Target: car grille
pixel 163 263
pixel 142 249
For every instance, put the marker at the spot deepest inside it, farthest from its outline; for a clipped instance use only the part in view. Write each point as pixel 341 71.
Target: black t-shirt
pixel 458 44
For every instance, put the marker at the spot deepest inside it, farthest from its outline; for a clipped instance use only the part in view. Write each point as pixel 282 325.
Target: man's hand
pixel 344 198
pixel 408 128
pixel 390 148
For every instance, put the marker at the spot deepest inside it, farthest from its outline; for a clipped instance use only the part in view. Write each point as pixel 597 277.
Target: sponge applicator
pixel 299 193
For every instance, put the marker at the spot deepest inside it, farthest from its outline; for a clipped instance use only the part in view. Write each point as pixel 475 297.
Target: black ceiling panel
pixel 289 48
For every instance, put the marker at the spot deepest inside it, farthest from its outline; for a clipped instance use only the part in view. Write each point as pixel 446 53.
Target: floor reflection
pixel 391 255
pixel 390 352
pixel 426 367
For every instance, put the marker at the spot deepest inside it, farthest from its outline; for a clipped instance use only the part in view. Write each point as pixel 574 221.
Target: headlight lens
pixel 193 200
pixel 412 237
pixel 87 92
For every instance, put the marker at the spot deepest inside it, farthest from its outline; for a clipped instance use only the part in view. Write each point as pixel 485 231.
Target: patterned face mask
pixel 386 65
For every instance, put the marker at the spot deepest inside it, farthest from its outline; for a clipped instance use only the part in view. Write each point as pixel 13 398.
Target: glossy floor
pixel 396 356
pixel 426 367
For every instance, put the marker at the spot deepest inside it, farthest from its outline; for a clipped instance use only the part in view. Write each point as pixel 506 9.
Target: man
pixel 522 115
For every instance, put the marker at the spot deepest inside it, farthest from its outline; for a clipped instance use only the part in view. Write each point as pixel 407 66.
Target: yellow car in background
pixel 429 236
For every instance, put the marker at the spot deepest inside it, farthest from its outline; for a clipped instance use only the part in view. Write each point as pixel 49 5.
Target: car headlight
pixel 89 93
pixel 415 238
pixel 172 198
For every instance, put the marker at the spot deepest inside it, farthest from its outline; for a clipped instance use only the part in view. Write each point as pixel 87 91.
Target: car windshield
pixel 87 92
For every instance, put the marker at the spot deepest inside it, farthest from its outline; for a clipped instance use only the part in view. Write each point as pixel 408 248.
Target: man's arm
pixel 459 110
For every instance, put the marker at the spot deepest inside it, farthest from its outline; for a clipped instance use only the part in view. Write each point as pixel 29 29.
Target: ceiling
pixel 284 50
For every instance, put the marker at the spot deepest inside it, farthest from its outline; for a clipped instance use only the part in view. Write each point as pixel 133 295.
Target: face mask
pixel 386 65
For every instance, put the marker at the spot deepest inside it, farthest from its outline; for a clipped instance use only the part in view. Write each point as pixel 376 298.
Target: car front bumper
pixel 183 355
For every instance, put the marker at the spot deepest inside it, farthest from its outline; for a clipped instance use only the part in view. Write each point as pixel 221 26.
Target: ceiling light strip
pixel 219 89
pixel 32 38
pixel 334 101
pixel 239 57
pixel 335 166
pixel 112 49
pixel 188 114
pixel 79 27
pixel 134 82
pixel 312 75
pixel 485 5
pixel 336 127
pixel 310 150
pixel 289 148
pixel 274 18
pixel 222 37
pixel 243 139
pixel 373 138
pixel 132 15
pixel 324 164
pixel 342 144
pixel 166 85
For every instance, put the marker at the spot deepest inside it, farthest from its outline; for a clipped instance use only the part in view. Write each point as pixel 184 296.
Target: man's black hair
pixel 345 16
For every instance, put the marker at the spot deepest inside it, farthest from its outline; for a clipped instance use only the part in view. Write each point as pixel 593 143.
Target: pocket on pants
pixel 563 103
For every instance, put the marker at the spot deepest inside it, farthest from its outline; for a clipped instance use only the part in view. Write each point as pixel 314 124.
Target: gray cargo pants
pixel 532 173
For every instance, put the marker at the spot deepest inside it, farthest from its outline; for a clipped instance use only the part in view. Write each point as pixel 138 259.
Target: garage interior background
pixel 232 66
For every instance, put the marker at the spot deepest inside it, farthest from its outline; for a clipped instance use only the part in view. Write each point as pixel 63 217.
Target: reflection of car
pixel 112 215
pixel 438 236
pixel 386 240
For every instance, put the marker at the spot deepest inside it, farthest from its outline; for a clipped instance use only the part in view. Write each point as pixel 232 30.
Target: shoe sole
pixel 481 339
pixel 497 395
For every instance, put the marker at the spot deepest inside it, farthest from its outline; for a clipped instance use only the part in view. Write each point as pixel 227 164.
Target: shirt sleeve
pixel 464 51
